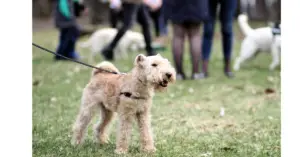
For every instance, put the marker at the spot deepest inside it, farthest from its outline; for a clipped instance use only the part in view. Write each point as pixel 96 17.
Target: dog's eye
pixel 154 65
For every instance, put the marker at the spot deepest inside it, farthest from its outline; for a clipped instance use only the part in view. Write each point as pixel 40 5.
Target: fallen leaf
pixel 227 149
pixel 172 95
pixel 222 111
pixel 270 117
pixel 191 90
pixel 53 99
pixel 271 79
pixel 269 91
pixel 36 82
pixel 206 154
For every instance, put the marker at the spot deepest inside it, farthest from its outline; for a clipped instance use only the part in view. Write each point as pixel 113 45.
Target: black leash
pixel 42 48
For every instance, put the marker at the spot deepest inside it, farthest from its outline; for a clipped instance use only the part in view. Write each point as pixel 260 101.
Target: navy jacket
pixel 181 11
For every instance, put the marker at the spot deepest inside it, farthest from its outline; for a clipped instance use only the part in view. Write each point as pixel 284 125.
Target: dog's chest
pixel 134 101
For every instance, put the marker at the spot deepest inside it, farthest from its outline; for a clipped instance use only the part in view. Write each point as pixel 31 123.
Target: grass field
pixel 186 120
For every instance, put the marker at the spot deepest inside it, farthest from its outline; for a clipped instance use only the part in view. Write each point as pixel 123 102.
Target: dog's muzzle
pixel 164 83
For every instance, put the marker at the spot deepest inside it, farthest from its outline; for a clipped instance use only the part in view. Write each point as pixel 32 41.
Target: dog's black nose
pixel 168 75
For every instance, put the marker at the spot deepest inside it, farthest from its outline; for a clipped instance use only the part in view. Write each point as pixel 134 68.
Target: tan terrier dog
pixel 130 95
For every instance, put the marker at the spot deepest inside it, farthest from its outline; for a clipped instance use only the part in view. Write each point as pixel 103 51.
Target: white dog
pixel 258 40
pixel 132 41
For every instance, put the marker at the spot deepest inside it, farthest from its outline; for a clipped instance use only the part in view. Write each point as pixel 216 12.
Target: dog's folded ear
pixel 139 58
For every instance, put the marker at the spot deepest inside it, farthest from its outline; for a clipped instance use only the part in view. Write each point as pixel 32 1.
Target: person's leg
pixel 161 33
pixel 129 11
pixel 113 18
pixel 227 17
pixel 164 18
pixel 73 36
pixel 162 23
pixel 143 19
pixel 120 17
pixel 177 48
pixel 193 32
pixel 153 18
pixel 207 39
pixel 156 22
pixel 62 46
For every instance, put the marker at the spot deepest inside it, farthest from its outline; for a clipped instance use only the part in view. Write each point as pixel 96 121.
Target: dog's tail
pixel 105 65
pixel 243 23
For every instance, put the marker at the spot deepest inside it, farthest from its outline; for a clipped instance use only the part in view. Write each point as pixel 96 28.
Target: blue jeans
pixel 67 41
pixel 226 15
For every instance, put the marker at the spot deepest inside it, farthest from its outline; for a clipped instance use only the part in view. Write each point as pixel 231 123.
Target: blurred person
pixel 115 12
pixel 79 10
pixel 186 18
pixel 160 25
pixel 65 22
pixel 131 9
pixel 226 15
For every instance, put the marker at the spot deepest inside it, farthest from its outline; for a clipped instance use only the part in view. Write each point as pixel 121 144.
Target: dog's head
pixel 155 70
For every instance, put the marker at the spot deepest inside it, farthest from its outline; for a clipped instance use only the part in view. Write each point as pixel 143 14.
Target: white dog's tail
pixel 243 23
pixel 105 65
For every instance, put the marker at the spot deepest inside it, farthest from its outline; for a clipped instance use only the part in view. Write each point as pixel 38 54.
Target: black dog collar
pixel 129 95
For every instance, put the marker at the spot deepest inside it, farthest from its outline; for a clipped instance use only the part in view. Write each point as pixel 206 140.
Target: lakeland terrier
pixel 129 95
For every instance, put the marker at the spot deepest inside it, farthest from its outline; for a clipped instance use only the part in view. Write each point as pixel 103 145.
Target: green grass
pixel 185 120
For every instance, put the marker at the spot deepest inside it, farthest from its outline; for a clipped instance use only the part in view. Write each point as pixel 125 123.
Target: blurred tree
pixel 263 10
pixel 42 8
pixel 98 11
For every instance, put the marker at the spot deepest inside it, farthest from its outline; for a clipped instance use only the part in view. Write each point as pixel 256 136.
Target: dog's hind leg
pixel 83 119
pixel 247 51
pixel 147 142
pixel 101 129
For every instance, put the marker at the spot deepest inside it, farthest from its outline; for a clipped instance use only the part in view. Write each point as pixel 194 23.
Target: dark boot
pixel 150 51
pixel 227 69
pixel 108 53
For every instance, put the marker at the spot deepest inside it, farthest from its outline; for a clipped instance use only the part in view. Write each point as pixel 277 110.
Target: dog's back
pixel 100 37
pixel 261 36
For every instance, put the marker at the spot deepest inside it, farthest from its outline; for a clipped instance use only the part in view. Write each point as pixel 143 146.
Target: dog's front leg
pixel 144 124
pixel 275 58
pixel 124 132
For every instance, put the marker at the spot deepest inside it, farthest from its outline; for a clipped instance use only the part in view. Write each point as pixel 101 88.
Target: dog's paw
pixel 121 151
pixel 104 139
pixel 75 142
pixel 150 149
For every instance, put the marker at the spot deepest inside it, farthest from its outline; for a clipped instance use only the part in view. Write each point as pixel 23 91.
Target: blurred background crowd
pixel 187 18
